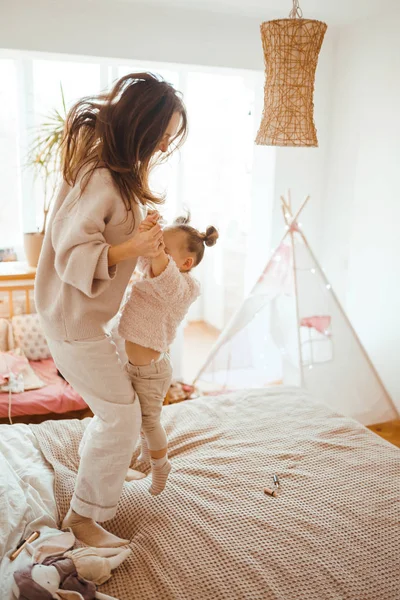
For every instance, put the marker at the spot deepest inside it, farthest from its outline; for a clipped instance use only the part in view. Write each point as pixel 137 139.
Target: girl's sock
pixel 144 455
pixel 160 469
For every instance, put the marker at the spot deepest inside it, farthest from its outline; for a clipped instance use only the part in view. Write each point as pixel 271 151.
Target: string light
pixel 278 258
pixel 328 286
pixel 313 271
pixel 310 367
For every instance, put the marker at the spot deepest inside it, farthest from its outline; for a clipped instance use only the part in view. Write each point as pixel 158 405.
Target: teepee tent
pixel 292 330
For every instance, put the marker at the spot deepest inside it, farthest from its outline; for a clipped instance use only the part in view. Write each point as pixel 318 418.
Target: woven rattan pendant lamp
pixel 291 47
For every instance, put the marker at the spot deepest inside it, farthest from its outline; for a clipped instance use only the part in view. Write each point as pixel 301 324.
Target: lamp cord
pixel 296 12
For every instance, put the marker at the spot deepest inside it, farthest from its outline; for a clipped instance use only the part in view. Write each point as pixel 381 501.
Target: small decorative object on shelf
pixel 7 255
pixel 291 48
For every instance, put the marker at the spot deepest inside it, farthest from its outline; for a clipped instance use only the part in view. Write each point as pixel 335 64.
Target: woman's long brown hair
pixel 121 130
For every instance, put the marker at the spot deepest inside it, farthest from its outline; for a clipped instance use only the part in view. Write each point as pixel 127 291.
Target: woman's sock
pixel 160 469
pixel 144 455
pixel 91 533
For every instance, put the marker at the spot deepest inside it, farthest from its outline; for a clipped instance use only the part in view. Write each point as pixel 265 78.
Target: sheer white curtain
pixel 10 191
pixel 216 183
pixel 78 79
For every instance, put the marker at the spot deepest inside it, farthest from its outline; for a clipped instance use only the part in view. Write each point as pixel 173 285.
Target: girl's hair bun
pixel 210 236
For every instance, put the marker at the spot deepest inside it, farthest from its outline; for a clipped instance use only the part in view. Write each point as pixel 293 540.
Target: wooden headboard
pixel 16 288
pixel 8 289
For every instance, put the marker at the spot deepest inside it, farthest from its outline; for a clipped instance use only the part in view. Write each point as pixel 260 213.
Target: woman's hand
pixel 144 243
pixel 148 243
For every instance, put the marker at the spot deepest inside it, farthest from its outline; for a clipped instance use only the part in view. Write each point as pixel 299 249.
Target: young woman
pixel 88 256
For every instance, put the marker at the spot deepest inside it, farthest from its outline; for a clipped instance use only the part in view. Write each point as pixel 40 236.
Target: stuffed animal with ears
pixel 73 576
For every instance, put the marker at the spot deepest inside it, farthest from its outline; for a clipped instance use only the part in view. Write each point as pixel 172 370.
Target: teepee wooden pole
pixel 284 213
pixel 286 205
pixel 287 209
pixel 296 295
pixel 302 206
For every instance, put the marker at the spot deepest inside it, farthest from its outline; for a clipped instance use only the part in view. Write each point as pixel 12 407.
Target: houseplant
pixel 44 160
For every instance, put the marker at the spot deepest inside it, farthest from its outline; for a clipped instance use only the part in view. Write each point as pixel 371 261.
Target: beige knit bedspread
pixel 333 533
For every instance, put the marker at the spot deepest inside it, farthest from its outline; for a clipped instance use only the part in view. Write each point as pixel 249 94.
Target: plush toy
pixel 178 392
pixel 73 576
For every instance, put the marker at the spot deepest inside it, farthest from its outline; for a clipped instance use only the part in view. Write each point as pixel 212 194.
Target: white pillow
pixel 28 336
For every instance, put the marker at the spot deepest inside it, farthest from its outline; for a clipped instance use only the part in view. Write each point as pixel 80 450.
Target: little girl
pixel 156 306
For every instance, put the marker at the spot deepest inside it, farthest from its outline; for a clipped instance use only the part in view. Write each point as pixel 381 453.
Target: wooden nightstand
pixel 16 279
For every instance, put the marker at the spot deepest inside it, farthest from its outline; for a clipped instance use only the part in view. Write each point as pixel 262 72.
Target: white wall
pixel 303 170
pixel 361 208
pixel 116 29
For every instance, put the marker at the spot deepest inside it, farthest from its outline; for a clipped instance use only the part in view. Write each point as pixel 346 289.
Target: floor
pixel 390 431
pixel 198 341
pixel 199 338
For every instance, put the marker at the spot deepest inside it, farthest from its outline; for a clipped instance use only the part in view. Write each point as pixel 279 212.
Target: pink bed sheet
pixel 56 397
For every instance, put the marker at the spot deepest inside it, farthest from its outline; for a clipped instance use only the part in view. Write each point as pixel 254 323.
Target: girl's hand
pixel 149 222
pixel 154 214
pixel 145 226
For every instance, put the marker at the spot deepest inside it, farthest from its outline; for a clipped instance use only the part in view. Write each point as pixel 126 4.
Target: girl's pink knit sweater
pixel 157 305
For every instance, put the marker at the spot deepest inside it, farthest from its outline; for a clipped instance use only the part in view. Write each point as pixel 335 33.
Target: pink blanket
pixel 56 397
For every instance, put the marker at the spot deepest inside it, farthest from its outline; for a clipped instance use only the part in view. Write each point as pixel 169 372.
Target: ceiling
pixel 334 12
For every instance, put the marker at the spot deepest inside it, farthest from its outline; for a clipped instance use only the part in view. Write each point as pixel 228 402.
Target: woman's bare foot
pixel 91 533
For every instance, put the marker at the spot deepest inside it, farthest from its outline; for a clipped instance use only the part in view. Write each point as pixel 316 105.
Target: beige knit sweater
pixel 76 293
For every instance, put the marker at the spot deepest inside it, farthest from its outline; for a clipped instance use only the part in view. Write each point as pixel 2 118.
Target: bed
pixel 56 399
pixel 332 533
pixel 47 394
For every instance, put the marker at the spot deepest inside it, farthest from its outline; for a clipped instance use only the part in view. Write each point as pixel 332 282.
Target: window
pixel 10 193
pixel 216 184
pixel 77 79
